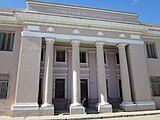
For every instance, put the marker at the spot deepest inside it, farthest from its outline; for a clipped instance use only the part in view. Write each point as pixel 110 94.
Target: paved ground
pixel 139 115
pixel 148 117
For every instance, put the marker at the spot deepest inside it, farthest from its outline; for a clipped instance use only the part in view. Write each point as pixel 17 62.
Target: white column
pixel 76 107
pixel 103 105
pixel 127 103
pixel 48 73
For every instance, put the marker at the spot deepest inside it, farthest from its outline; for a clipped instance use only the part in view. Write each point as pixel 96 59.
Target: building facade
pixel 52 55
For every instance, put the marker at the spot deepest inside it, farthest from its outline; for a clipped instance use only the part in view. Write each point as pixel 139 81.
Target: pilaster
pixel 28 78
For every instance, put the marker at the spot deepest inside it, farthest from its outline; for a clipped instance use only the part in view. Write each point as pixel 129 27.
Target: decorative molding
pixel 33 28
pixel 82 38
pixel 121 45
pixel 145 103
pixel 76 32
pixel 25 106
pixel 100 34
pixel 50 29
pixel 84 27
pixel 137 37
pixel 80 22
pixel 75 42
pixel 122 35
pixel 100 44
pixel 50 40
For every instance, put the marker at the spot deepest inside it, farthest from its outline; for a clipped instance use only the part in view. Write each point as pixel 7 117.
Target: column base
pixel 24 110
pixel 77 109
pixel 145 105
pixel 128 106
pixel 104 108
pixel 21 110
pixel 47 109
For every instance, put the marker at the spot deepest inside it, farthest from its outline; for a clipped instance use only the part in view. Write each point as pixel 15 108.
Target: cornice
pixel 9 19
pixel 34 17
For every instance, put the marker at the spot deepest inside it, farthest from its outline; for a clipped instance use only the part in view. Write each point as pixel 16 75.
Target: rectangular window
pixel 60 88
pixel 83 57
pixel 151 50
pixel 6 41
pixel 60 56
pixel 4 78
pixel 155 82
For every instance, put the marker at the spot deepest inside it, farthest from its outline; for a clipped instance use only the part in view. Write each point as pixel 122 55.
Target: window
pixel 60 55
pixel 83 57
pixel 4 78
pixel 155 82
pixel 117 58
pixel 60 88
pixel 6 41
pixel 151 50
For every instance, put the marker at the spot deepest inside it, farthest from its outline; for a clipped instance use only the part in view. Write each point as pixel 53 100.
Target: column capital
pixel 75 42
pixel 121 45
pixel 50 40
pixel 99 44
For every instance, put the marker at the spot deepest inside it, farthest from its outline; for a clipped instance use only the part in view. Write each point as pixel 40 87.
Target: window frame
pixel 151 50
pixel 86 63
pixel 55 55
pixel 155 78
pixel 7 44
pixel 54 87
pixel 4 98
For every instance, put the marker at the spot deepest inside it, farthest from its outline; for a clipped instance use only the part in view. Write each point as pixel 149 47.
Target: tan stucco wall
pixel 153 65
pixel 9 65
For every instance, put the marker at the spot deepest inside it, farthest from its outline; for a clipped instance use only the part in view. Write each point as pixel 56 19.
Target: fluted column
pixel 48 73
pixel 76 107
pixel 127 103
pixel 103 105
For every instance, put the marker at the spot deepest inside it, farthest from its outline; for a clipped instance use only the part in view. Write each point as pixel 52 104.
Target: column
pixel 76 107
pixel 48 74
pixel 27 78
pixel 127 103
pixel 139 77
pixel 103 105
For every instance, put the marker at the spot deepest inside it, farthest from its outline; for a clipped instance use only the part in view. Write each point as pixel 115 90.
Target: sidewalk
pixel 88 116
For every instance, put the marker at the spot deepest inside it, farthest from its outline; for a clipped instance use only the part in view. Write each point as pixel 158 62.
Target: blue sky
pixel 148 10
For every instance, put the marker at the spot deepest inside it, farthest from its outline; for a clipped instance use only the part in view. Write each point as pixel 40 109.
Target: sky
pixel 148 10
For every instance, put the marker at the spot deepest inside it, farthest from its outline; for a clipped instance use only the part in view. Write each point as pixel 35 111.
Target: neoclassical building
pixel 52 55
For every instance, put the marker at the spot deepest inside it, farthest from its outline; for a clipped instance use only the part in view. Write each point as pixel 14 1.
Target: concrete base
pixel 146 105
pixel 25 110
pixel 104 108
pixel 128 106
pixel 77 109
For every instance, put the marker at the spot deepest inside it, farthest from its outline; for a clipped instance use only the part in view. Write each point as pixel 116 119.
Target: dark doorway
pixel 40 92
pixel 84 89
pixel 107 88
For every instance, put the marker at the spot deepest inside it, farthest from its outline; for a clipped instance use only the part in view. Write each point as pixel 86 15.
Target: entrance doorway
pixel 84 89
